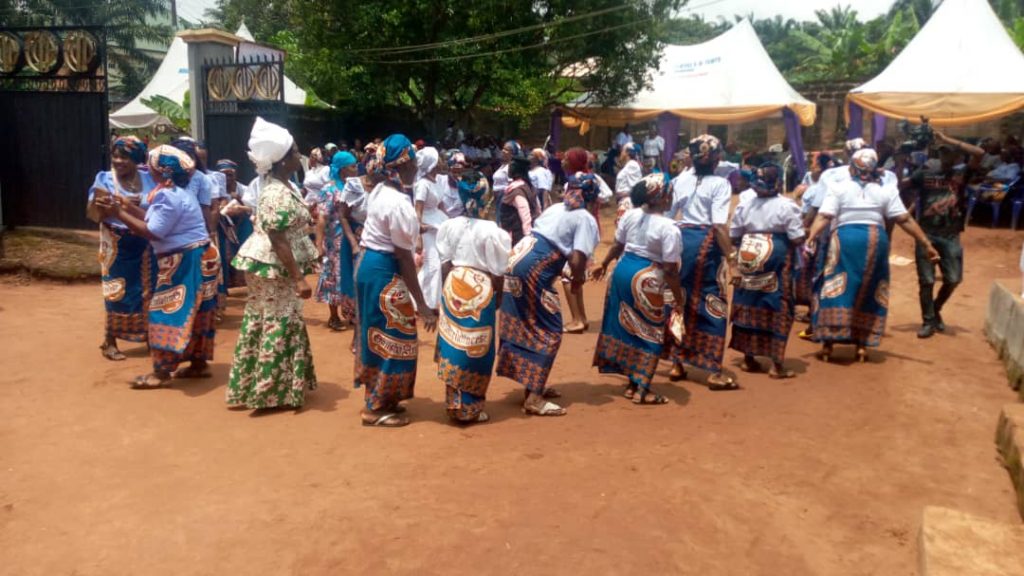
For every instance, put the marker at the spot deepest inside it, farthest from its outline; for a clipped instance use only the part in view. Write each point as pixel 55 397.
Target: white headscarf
pixel 268 143
pixel 426 160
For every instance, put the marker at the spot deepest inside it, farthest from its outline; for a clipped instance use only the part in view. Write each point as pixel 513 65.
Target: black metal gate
pixel 234 94
pixel 54 135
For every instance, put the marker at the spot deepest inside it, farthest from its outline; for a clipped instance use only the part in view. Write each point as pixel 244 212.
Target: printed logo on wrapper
pixel 834 287
pixel 475 342
pixel 636 326
pixel 390 347
pixel 520 250
pixel 467 292
pixel 754 252
pixel 397 306
pixel 113 289
pixel 168 301
pixel 649 292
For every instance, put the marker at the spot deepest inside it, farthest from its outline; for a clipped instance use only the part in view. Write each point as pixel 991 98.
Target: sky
pixel 797 9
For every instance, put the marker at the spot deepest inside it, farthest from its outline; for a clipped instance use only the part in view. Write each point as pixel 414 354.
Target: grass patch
pixel 65 255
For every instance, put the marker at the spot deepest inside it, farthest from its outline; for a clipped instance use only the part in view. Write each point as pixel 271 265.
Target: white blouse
pixel 353 194
pixel 427 191
pixel 701 205
pixel 568 230
pixel 500 179
pixel 850 203
pixel 651 236
pixel 541 178
pixel 767 215
pixel 630 174
pixel 475 243
pixel 390 221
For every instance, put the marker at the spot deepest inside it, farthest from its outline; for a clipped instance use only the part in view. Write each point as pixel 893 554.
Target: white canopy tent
pixel 961 68
pixel 728 79
pixel 171 81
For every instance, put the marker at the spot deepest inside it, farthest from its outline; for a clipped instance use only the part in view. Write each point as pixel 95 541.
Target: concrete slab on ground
pixel 1004 328
pixel 954 543
pixel 1010 441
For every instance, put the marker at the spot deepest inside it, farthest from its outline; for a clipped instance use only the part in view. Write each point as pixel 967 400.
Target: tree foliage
pixel 349 52
pixel 127 23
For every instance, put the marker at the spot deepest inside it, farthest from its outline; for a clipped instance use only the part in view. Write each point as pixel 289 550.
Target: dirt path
pixel 824 474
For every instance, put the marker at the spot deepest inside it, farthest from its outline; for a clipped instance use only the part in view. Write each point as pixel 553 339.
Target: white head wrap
pixel 268 143
pixel 855 144
pixel 426 160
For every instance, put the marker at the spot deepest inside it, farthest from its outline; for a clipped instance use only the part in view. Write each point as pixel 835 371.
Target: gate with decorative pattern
pixel 54 134
pixel 235 92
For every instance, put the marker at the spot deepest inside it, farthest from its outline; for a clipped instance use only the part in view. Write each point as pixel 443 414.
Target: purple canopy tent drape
pixel 668 129
pixel 856 127
pixel 796 143
pixel 555 130
pixel 878 124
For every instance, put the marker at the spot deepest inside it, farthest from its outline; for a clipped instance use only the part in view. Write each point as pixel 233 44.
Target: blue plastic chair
pixel 1013 193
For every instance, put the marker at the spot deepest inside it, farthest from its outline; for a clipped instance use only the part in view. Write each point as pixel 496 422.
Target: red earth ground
pixel 824 474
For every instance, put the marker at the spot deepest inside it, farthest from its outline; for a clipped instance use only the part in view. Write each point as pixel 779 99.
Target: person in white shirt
pixel 450 201
pixel 742 179
pixel 654 148
pixel 317 176
pixel 541 177
pixel 628 176
pixel 388 293
pixel 427 198
pixel 853 299
pixel 474 256
pixel 632 331
pixel 531 319
pixel 500 177
pixel 766 230
pixel 700 206
pixel 623 138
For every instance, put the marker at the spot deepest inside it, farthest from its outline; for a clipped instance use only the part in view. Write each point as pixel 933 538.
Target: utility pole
pixel 174 15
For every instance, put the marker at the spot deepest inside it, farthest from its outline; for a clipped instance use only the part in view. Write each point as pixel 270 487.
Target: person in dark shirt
pixel 941 195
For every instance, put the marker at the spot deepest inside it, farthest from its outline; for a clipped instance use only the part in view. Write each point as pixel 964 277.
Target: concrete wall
pixel 1004 328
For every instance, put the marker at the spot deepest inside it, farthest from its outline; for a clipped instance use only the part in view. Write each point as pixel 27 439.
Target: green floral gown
pixel 273 364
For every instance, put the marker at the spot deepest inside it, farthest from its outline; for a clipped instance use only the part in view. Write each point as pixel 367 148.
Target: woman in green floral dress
pixel 273 364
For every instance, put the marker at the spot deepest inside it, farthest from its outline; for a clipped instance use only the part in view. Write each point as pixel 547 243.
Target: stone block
pixel 1004 328
pixel 954 543
pixel 1010 443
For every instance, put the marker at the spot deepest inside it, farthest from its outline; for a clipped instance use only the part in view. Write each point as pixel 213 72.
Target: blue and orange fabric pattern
pixel 634 321
pixel 465 341
pixel 531 319
pixel 387 345
pixel 853 298
pixel 762 305
pixel 703 274
pixel 182 312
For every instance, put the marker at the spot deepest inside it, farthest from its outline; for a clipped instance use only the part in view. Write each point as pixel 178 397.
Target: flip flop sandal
pixel 649 399
pixel 629 393
pixel 148 382
pixel 726 384
pixel 112 353
pixel 192 373
pixel 334 325
pixel 577 330
pixel 389 420
pixel 805 335
pixel 545 409
pixel 674 376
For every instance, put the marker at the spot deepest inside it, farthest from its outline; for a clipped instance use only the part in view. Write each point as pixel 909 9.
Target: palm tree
pixel 127 23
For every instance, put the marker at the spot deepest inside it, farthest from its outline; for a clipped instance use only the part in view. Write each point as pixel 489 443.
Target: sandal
pixel 193 372
pixel 781 375
pixel 862 355
pixel 719 382
pixel 582 329
pixel 649 398
pixel 335 325
pixel 677 374
pixel 149 382
pixel 806 334
pixel 630 392
pixel 388 420
pixel 545 408
pixel 110 352
pixel 826 352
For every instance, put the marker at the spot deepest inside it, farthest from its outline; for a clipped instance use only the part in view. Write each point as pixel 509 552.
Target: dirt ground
pixel 824 474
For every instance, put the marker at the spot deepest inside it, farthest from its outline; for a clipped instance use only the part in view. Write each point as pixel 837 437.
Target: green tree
pixel 448 57
pixel 126 21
